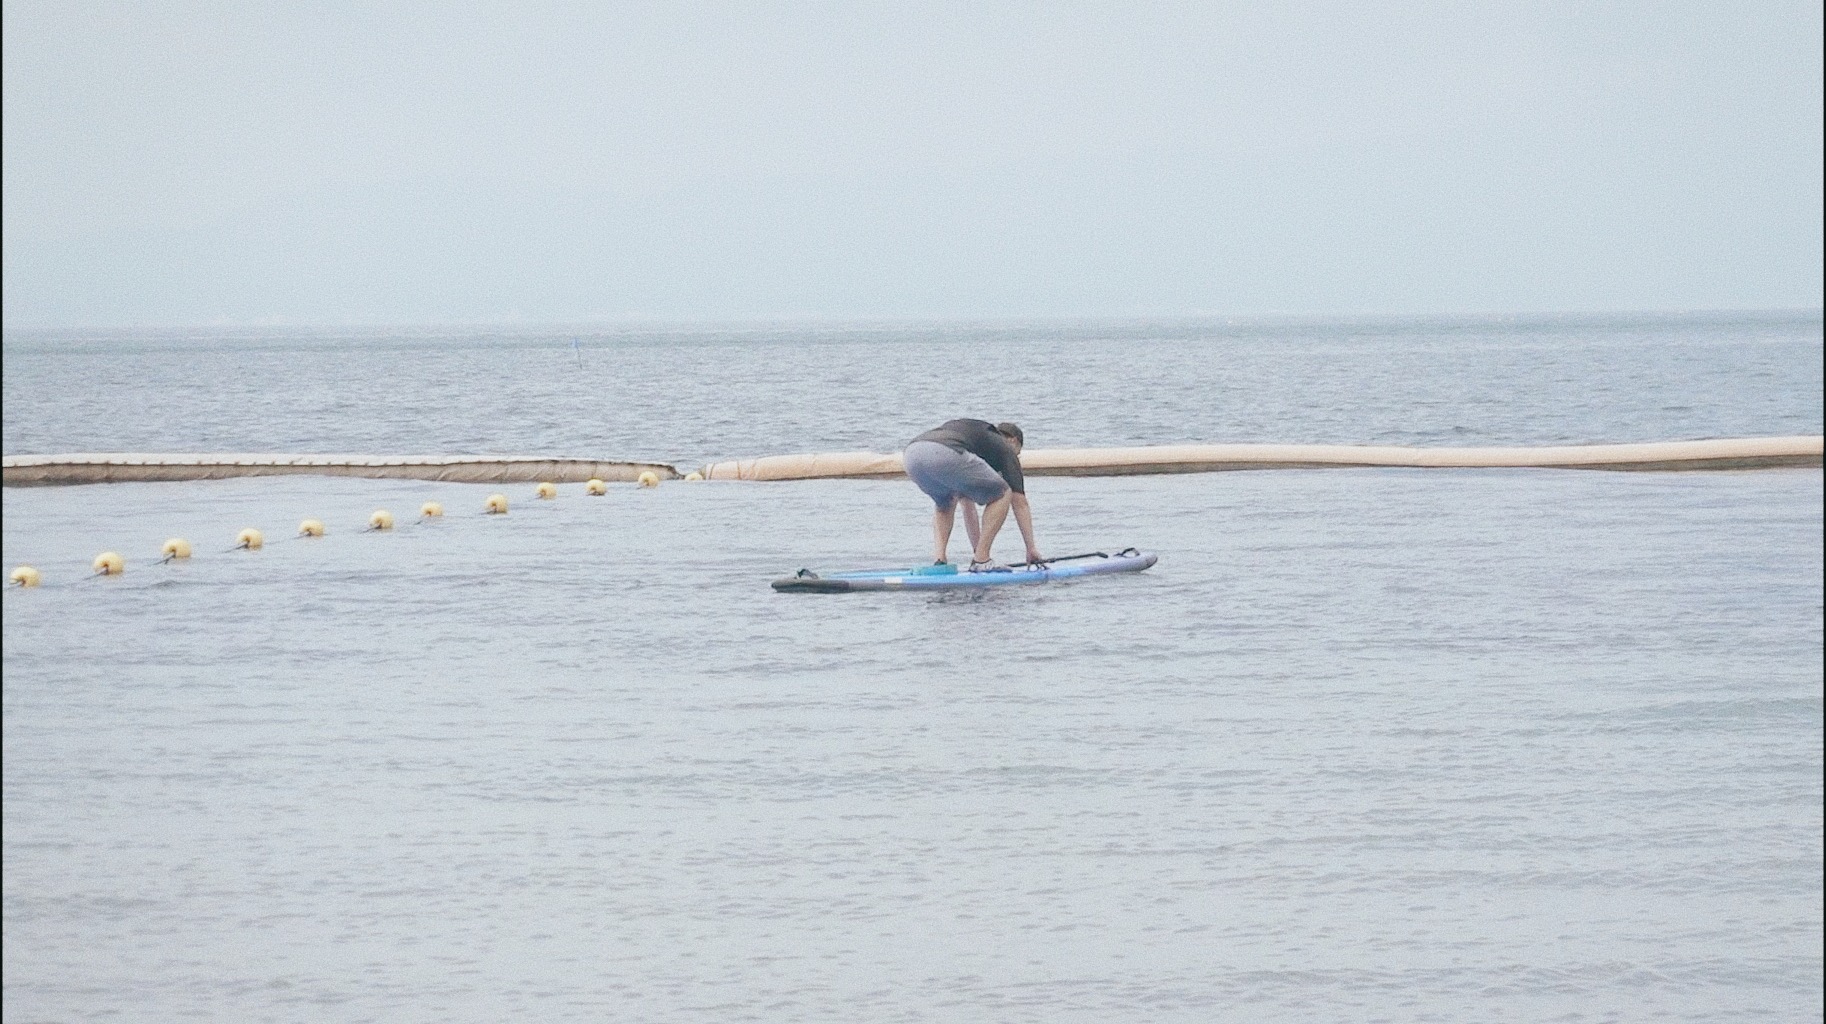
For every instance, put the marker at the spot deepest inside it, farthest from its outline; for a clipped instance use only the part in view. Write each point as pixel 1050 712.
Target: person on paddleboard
pixel 970 463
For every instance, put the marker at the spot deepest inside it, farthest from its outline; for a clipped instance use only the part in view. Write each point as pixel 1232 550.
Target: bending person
pixel 972 463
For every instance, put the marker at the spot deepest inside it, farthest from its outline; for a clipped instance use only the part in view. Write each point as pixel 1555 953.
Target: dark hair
pixel 1012 432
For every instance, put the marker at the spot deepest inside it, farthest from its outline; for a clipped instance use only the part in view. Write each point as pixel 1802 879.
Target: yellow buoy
pixel 176 547
pixel 647 478
pixel 380 520
pixel 595 486
pixel 694 475
pixel 546 491
pixel 497 505
pixel 310 528
pixel 108 564
pixel 430 510
pixel 25 576
pixel 250 538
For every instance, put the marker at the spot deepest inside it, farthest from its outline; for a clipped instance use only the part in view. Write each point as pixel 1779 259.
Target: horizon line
pixel 659 322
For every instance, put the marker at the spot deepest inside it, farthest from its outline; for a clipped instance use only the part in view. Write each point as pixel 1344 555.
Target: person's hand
pixel 1033 557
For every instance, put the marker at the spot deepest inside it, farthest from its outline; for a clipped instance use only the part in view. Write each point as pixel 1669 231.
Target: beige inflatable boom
pixel 1733 453
pixel 43 470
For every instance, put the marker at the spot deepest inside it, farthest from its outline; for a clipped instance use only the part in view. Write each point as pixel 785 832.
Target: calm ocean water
pixel 695 395
pixel 1366 744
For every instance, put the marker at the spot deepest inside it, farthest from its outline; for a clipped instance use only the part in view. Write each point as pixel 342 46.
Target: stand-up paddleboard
pixel 947 577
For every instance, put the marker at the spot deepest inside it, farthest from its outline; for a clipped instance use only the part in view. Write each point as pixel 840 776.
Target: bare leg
pixel 994 515
pixel 942 518
pixel 973 528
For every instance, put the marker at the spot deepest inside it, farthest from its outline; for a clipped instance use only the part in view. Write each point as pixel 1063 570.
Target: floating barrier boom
pixel 1727 453
pixel 123 467
pixel 1724 453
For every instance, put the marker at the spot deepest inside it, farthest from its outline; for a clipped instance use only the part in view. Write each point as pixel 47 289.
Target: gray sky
pixel 171 164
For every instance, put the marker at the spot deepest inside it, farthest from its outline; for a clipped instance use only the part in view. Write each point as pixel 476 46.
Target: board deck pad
pixel 946 577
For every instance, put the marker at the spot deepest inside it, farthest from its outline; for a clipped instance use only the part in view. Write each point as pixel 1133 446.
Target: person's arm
pixel 1023 518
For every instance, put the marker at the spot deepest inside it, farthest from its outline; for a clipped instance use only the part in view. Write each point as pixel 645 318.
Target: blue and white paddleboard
pixel 947 577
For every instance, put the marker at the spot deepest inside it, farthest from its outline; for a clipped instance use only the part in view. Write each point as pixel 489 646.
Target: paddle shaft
pixel 1067 558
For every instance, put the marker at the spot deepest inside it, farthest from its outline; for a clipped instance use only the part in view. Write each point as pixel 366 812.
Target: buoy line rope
pixel 16 585
pixel 109 563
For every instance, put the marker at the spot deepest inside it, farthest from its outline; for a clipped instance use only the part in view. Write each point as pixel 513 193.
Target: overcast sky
pixel 170 164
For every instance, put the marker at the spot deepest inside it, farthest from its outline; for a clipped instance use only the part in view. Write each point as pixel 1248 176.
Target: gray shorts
pixel 946 474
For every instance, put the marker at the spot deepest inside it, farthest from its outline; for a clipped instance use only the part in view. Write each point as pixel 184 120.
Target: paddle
pixel 1066 558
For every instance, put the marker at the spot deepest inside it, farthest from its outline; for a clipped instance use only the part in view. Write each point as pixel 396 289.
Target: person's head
pixel 1012 433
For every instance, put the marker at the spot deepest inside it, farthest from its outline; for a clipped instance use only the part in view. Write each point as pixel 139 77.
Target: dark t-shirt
pixel 979 438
